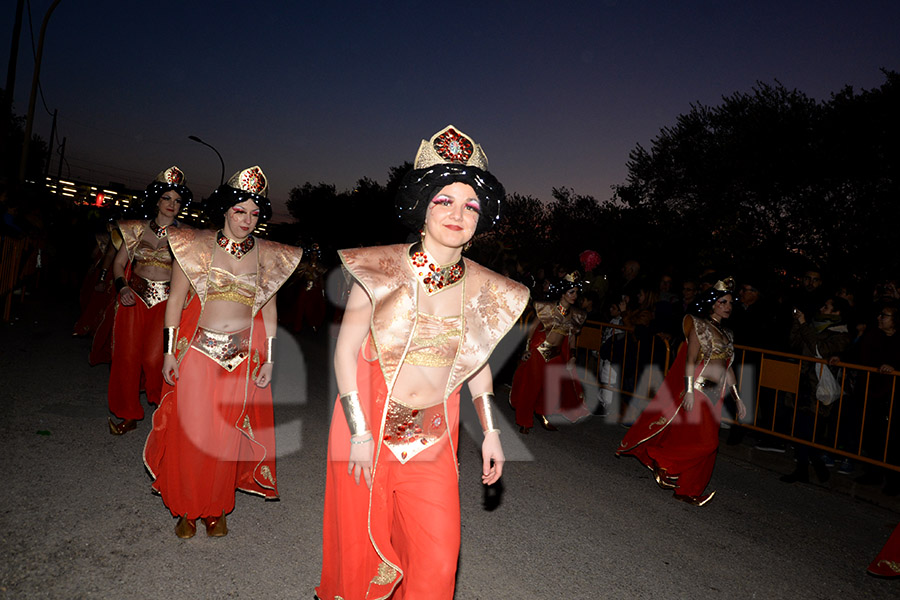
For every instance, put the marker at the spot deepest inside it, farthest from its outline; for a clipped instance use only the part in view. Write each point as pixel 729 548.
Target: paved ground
pixel 77 519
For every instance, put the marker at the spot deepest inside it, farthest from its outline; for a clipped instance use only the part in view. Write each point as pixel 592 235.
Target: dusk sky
pixel 557 93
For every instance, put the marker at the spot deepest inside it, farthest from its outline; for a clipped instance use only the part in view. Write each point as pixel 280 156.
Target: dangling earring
pixel 422 235
pixel 467 245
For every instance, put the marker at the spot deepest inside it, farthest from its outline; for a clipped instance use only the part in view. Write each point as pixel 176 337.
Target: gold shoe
pixel 121 428
pixel 216 526
pixel 185 528
pixel 662 477
pixel 663 480
pixel 696 500
pixel 547 424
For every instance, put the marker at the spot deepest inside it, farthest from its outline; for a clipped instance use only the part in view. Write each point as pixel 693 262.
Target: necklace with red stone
pixel 160 231
pixel 563 310
pixel 236 249
pixel 434 277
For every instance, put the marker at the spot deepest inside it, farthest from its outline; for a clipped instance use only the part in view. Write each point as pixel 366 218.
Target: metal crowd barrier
pixel 856 425
pixel 779 403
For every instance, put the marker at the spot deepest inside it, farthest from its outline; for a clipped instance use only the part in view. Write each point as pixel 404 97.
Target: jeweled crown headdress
pixel 251 180
pixel 173 176
pixel 725 285
pixel 449 145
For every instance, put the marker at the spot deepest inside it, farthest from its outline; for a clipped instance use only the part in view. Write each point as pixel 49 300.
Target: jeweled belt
pixel 227 349
pixel 408 431
pixel 548 351
pixel 151 292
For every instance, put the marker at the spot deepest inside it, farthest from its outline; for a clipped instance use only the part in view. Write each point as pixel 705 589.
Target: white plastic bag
pixel 828 389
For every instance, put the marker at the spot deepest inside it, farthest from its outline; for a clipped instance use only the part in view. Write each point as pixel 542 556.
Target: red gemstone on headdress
pixel 252 180
pixel 453 146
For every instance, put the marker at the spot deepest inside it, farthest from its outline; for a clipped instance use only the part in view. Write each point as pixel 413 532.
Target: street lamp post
pixel 222 162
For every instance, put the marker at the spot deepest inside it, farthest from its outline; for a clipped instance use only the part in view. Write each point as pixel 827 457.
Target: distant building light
pixel 68 195
pixel 63 182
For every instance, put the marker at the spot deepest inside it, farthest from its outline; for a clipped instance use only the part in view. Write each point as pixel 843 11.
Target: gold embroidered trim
pixel 267 473
pixel 386 574
pixel 247 427
pixel 659 422
pixel 255 361
pixel 182 344
pixel 890 564
pixel 230 296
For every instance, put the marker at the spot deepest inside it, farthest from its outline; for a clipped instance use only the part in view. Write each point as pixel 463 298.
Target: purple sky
pixel 334 91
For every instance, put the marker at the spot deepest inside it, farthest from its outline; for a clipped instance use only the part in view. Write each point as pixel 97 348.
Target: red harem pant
pixel 684 443
pixel 402 539
pixel 94 303
pixel 546 387
pixel 137 354
pixel 212 434
pixel 887 563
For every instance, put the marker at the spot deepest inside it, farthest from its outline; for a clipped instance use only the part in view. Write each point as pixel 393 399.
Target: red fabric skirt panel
pixel 136 356
pixel 887 563
pixel 546 387
pixel 401 540
pixel 101 345
pixel 685 443
pixel 213 434
pixel 94 303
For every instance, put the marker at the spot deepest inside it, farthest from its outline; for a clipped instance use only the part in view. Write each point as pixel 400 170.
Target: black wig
pixel 419 186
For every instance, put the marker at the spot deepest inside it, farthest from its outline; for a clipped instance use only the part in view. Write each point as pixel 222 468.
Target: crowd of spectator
pixel 809 313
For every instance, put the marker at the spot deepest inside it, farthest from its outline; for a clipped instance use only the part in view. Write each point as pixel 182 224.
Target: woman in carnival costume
pixel 549 346
pixel 142 271
pixel 420 321
pixel 677 435
pixel 213 433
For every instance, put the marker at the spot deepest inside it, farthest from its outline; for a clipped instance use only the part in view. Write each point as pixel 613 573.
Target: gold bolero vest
pixel 553 320
pixel 132 232
pixel 491 306
pixel 194 249
pixel 715 343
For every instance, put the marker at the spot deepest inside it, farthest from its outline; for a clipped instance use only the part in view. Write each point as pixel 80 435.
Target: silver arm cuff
pixel 484 409
pixel 353 412
pixel 688 384
pixel 734 392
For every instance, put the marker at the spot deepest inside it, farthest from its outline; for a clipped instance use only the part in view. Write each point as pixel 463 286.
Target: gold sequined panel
pixel 386 574
pixel 715 343
pixel 227 349
pixel 224 285
pixel 148 256
pixel 150 292
pixel 408 431
pixel 434 341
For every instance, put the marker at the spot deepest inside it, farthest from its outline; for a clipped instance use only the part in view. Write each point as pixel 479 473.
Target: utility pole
pixel 35 79
pixel 6 108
